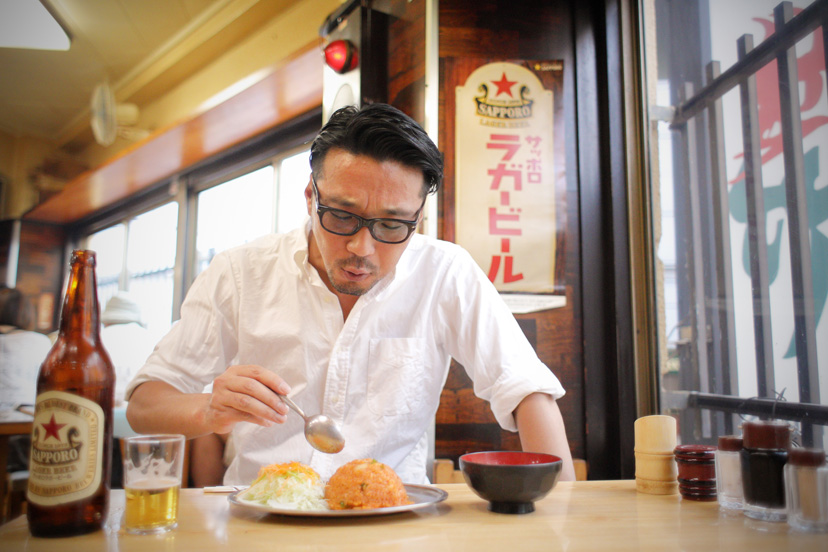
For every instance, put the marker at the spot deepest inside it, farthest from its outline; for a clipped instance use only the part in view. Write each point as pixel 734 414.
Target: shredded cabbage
pixel 291 485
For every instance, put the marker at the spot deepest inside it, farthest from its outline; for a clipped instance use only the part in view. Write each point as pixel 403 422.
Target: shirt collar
pixel 300 250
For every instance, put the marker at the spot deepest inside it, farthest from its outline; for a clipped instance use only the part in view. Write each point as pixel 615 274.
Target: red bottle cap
pixel 768 435
pixel 695 452
pixel 809 457
pixel 730 443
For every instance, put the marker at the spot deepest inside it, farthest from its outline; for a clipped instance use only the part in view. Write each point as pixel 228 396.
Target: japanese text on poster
pixel 505 190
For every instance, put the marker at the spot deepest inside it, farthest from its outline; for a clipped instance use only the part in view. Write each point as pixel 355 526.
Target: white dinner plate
pixel 421 496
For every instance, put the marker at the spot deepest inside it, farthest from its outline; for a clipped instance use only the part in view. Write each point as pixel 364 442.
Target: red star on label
pixel 504 86
pixel 52 428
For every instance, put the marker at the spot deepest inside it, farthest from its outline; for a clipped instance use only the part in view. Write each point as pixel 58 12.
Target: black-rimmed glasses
pixel 343 223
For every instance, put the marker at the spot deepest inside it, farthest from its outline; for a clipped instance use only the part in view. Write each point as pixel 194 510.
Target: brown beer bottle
pixel 71 454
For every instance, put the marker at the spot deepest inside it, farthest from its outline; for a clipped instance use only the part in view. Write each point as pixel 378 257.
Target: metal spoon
pixel 321 432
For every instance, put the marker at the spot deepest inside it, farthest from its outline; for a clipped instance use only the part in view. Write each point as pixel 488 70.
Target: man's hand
pixel 244 393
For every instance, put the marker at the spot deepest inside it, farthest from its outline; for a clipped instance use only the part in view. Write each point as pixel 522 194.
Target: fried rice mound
pixel 365 483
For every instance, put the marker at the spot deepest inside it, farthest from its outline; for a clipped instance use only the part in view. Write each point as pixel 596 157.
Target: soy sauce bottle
pixel 763 457
pixel 71 453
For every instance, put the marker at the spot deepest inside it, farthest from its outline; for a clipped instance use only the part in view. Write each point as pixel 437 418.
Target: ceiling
pixel 141 47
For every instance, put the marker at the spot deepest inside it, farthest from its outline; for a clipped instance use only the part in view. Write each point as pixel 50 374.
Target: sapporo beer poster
pixel 505 174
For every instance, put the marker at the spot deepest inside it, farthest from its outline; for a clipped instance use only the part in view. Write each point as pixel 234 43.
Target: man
pixel 355 316
pixel 22 350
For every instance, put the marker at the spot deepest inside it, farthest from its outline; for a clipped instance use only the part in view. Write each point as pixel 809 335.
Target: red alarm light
pixel 341 56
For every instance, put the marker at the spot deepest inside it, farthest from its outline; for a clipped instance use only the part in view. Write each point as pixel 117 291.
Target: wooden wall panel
pixel 406 60
pixel 6 234
pixel 504 31
pixel 40 268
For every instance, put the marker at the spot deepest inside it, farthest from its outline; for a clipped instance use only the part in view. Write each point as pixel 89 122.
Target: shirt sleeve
pixel 202 344
pixel 487 340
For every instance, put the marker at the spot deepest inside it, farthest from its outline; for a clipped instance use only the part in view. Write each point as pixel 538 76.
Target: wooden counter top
pixel 587 515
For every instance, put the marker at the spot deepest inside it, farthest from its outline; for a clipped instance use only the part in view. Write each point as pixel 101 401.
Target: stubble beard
pixel 352 288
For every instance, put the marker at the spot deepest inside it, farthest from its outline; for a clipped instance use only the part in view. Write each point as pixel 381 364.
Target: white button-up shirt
pixel 378 374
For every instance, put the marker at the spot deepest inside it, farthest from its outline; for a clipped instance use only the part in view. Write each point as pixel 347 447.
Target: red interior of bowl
pixel 510 458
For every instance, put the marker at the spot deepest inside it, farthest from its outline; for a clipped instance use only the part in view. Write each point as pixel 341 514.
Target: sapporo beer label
pixel 67 447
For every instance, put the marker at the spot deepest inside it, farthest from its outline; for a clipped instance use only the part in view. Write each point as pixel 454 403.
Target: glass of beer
pixel 152 480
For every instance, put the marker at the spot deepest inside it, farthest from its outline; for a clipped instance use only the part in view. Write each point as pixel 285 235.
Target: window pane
pixel 234 213
pixel 108 245
pixel 713 309
pixel 294 174
pixel 150 264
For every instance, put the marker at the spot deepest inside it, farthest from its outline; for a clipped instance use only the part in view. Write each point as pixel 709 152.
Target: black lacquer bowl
pixel 511 481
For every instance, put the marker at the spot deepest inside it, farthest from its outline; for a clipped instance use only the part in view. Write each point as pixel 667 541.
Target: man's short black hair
pixel 383 133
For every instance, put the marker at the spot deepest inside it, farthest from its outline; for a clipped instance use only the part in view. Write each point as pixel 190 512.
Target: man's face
pixel 352 265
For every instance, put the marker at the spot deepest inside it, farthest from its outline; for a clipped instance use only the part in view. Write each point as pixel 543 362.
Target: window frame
pixel 183 187
pixel 719 411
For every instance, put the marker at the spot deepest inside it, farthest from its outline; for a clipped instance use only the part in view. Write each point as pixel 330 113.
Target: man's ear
pixel 309 196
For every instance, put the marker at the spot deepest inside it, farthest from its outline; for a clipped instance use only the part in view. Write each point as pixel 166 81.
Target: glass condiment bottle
pixel 729 473
pixel 71 454
pixel 763 456
pixel 806 483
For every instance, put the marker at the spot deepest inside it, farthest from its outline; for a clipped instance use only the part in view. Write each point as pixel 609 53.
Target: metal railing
pixel 711 349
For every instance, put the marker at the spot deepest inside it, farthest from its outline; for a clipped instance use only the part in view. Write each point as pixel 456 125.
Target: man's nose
pixel 362 243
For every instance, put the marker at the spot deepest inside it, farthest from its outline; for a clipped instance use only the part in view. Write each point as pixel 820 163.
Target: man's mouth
pixel 355 275
pixel 356 270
